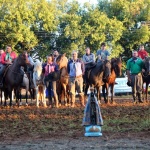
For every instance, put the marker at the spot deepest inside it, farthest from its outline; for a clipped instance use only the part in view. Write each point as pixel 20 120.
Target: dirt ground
pixel 105 142
pixel 65 139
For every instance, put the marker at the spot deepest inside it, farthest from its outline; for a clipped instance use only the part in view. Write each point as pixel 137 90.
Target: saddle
pixel 54 76
pixel 90 66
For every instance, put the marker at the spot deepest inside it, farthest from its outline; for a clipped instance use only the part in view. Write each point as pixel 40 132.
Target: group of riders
pixel 76 68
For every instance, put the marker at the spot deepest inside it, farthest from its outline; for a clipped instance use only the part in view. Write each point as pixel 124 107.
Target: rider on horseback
pixel 88 60
pixel 102 54
pixel 6 60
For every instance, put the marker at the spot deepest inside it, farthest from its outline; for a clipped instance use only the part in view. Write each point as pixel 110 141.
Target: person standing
pixel 142 53
pixel 134 68
pixel 102 54
pixel 55 55
pixel 48 68
pixel 76 70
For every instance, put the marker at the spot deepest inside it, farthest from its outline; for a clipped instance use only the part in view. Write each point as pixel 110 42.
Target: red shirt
pixel 142 54
pixel 2 58
pixel 13 56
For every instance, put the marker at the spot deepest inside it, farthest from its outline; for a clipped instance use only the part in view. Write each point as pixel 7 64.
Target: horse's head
pixel 107 68
pixel 147 65
pixel 37 69
pixel 22 59
pixel 62 61
pixel 116 65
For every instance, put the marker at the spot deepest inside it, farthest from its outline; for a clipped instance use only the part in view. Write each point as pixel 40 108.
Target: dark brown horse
pixel 14 76
pixel 146 76
pixel 95 75
pixel 116 65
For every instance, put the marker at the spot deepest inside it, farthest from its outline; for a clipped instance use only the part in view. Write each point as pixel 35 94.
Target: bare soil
pixel 126 126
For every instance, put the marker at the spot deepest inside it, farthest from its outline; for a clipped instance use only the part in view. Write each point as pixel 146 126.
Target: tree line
pixel 42 25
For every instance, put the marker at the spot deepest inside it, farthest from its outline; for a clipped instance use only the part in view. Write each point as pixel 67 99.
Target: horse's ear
pixel 64 54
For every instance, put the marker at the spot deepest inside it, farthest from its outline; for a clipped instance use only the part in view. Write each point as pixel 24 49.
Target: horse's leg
pixel 19 98
pixel 68 94
pixel 37 97
pixel 64 88
pixel 146 91
pixel 6 96
pixel 112 92
pixel 10 96
pixel 98 94
pixel 107 92
pixel 1 97
pixel 85 91
pixel 103 91
pixel 27 97
pixel 44 99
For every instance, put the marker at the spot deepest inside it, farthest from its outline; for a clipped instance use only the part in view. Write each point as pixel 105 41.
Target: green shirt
pixel 135 66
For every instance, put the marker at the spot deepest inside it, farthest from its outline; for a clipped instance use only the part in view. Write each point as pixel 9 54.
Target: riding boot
pixel 50 101
pixel 81 98
pixel 140 98
pixel 56 101
pixel 72 100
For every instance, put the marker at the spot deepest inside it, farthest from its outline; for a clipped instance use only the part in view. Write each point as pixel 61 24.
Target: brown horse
pixel 116 65
pixel 146 77
pixel 62 62
pixel 13 77
pixel 94 77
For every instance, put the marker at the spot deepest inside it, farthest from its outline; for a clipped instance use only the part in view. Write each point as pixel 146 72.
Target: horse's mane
pixel 60 56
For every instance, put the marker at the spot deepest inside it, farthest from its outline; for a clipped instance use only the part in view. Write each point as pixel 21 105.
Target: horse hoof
pixel 45 106
pixel 66 104
pixel 72 106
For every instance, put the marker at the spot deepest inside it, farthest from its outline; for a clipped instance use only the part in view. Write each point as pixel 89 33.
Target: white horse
pixel 38 83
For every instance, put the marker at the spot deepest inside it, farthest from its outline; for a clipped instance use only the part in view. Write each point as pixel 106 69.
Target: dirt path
pixel 128 142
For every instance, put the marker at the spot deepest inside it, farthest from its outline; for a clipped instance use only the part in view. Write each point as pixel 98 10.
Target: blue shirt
pixel 88 58
pixel 75 68
pixel 103 54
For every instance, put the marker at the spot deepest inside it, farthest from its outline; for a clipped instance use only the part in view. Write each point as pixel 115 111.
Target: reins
pixel 145 75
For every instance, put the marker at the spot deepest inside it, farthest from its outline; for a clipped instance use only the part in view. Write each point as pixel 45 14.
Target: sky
pixel 91 1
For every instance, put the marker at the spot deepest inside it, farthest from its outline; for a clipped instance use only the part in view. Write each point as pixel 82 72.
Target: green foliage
pixel 70 26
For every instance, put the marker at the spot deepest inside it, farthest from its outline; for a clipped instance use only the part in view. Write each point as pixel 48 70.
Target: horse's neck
pixel 98 70
pixel 64 71
pixel 15 66
pixel 113 74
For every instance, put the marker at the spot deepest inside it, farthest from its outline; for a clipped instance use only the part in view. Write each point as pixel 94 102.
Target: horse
pixel 62 62
pixel 146 76
pixel 94 77
pixel 13 77
pixel 25 85
pixel 38 78
pixel 116 65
